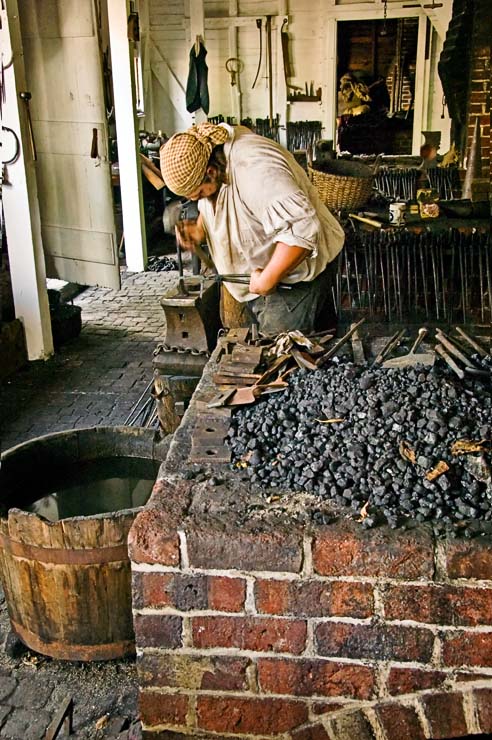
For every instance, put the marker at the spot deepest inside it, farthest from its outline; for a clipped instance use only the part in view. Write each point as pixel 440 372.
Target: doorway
pixel 376 80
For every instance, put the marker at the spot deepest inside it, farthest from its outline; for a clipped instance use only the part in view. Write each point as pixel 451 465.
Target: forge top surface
pixel 223 496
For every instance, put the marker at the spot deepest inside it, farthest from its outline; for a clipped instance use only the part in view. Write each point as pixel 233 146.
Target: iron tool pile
pixel 374 436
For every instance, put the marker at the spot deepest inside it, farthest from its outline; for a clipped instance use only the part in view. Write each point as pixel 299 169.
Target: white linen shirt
pixel 268 198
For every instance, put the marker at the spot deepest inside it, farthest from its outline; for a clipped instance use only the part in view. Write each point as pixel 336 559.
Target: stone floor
pixel 94 379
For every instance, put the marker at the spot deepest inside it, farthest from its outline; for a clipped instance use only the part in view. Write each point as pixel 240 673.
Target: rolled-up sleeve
pixel 294 221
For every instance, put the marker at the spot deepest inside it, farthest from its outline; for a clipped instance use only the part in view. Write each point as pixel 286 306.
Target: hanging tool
pixel 26 97
pixel 284 37
pixel 234 66
pixel 258 26
pixel 270 69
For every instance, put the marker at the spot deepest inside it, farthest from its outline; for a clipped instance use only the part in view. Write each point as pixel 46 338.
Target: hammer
pixel 26 97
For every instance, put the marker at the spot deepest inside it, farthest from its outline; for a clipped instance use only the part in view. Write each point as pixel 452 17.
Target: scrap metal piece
pixel 407 452
pixel 208 437
pixel 469 446
pixel 357 347
pixel 439 469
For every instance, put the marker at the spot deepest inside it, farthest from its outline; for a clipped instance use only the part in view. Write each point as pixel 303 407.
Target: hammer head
pixel 25 96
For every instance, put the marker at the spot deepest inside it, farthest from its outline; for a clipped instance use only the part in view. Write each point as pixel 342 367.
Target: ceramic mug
pixel 397 213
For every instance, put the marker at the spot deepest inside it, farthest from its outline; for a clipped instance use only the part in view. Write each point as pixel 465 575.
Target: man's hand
pixel 189 234
pixel 260 284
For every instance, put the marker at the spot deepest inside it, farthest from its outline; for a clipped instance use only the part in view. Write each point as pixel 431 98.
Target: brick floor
pixel 93 379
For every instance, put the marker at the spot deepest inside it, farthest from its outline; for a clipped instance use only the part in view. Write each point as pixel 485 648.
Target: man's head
pixel 189 162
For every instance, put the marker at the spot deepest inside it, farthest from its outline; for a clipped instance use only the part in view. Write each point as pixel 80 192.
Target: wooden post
pixel 128 142
pixel 421 90
pixel 20 201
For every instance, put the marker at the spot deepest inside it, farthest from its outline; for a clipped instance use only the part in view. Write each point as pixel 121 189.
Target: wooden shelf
pixel 304 98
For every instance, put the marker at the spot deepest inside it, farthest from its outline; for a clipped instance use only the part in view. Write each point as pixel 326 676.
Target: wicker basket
pixel 342 184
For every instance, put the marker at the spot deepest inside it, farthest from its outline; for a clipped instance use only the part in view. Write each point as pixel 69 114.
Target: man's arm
pixel 284 259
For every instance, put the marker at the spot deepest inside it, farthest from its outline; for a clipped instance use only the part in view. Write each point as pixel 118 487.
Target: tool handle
pixel 471 342
pixel 338 345
pixel 94 150
pixel 450 362
pixel 32 143
pixel 422 334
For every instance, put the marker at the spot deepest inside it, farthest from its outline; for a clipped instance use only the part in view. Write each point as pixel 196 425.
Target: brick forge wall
pixel 480 82
pixel 260 633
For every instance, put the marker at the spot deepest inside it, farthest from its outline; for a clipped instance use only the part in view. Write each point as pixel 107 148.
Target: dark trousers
pixel 307 306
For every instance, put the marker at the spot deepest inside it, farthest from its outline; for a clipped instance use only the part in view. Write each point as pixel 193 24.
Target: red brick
pixel 325 707
pixel 469 559
pixel 226 594
pixel 408 680
pixel 348 551
pixel 215 672
pixel 151 589
pixel 315 678
pixel 439 604
pixel 249 716
pixel 313 732
pixel 445 715
pixel 250 633
pixel 483 703
pixel 314 598
pixel 374 642
pixel 467 649
pixel 186 592
pixel 475 676
pixel 158 631
pixel 248 551
pixel 156 708
pixel 153 537
pixel 399 722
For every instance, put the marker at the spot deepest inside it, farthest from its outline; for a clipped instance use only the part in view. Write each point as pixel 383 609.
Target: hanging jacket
pixel 197 87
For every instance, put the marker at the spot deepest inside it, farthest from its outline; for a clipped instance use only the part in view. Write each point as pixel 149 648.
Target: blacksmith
pixel 261 216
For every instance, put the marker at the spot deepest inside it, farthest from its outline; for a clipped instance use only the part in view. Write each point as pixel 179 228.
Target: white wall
pixel 311 27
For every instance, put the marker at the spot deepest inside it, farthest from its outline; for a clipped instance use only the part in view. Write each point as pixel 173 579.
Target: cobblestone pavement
pixel 94 379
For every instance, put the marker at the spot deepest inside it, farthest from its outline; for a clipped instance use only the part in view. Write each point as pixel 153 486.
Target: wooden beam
pixel 421 86
pixel 20 202
pixel 128 141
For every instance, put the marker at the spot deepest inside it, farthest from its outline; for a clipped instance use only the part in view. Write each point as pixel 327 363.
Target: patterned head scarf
pixel 185 156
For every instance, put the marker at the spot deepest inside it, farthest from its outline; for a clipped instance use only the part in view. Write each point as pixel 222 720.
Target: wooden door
pixel 64 75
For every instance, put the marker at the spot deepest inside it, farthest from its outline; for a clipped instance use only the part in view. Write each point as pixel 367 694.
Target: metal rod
pixel 270 71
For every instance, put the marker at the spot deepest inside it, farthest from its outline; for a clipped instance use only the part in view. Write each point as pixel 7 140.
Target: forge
pixel 263 614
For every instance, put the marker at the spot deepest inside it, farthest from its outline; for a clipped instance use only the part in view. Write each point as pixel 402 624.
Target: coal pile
pixel 370 438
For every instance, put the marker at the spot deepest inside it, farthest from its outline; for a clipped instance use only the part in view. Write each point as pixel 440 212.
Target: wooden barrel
pixel 67 583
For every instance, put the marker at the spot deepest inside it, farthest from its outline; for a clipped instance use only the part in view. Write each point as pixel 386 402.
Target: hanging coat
pixel 197 87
